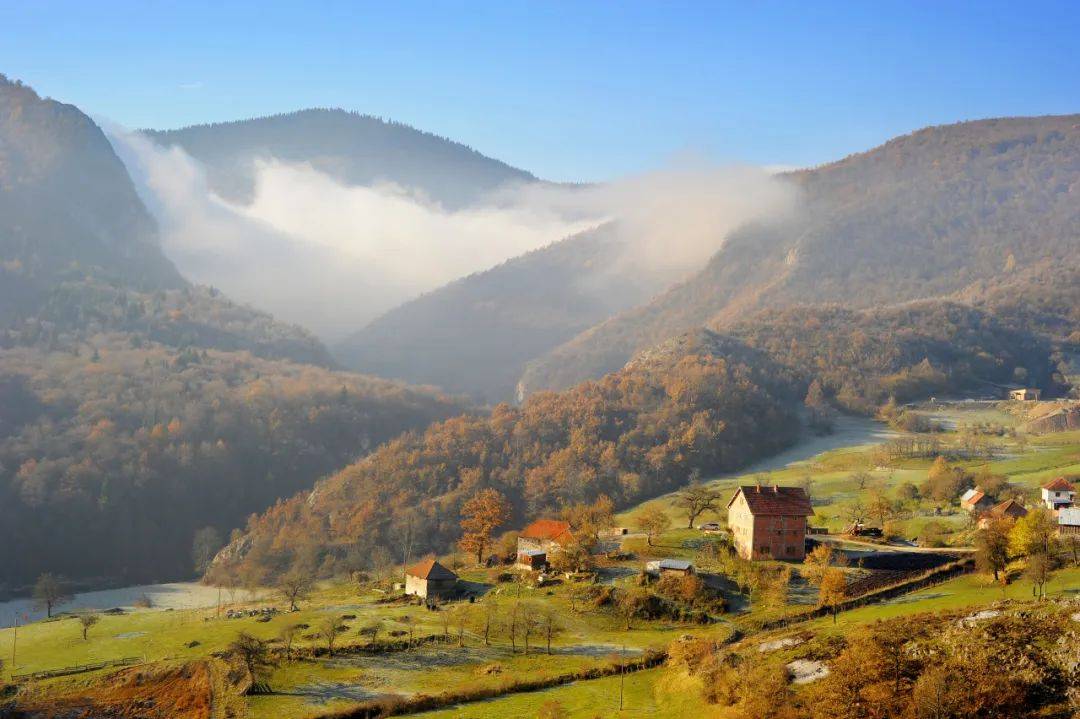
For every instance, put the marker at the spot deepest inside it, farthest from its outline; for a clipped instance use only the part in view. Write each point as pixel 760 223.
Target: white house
pixel 1058 494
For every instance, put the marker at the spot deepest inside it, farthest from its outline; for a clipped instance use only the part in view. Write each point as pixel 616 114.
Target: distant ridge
pixel 924 215
pixel 352 147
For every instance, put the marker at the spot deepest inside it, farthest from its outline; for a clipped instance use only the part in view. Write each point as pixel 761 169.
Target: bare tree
pixel 294 587
pixel 371 631
pixel 253 654
pixel 287 636
pixel 530 622
pixel 404 535
pixel 50 592
pixel 550 624
pixel 87 621
pixel 329 630
pixel 697 499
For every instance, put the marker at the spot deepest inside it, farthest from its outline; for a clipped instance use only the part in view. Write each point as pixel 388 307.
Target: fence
pixel 75 669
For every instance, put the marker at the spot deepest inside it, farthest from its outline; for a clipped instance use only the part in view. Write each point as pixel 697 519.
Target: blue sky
pixel 568 90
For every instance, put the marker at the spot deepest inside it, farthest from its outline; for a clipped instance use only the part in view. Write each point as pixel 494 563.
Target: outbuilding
pixel 430 579
pixel 666 567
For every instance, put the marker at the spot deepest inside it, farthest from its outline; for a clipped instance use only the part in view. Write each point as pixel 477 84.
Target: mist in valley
pixel 332 256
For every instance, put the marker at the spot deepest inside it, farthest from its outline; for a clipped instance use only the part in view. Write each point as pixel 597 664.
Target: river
pixel 177 595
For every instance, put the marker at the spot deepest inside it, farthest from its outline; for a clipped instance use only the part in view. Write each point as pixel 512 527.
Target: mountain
pixel 701 402
pixel 67 205
pixel 925 215
pixel 138 411
pixel 354 149
pixel 475 335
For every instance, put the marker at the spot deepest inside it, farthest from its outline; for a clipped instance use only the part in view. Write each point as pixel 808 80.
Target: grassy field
pixel 590 635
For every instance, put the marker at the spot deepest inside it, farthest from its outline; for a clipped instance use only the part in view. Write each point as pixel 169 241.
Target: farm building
pixel 975 500
pixel 769 522
pixel 430 579
pixel 534 560
pixel 1069 521
pixel 665 567
pixel 1058 493
pixel 1025 394
pixel 545 535
pixel 1010 508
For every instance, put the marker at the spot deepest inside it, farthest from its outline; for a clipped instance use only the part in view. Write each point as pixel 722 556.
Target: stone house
pixel 769 522
pixel 430 579
pixel 545 535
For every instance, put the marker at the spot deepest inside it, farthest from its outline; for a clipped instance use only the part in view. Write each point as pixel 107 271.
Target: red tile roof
pixel 1058 485
pixel 775 501
pixel 431 569
pixel 977 496
pixel 1009 508
pixel 552 530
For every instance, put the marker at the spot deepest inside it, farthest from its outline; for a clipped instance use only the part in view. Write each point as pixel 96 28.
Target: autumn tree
pixel 629 603
pixel 832 590
pixel 50 592
pixel 1038 569
pixel 587 520
pixel 653 521
pixel 818 562
pixel 480 516
pixel 695 500
pixel 992 547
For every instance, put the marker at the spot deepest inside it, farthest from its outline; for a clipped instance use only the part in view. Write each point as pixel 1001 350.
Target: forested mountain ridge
pixel 924 215
pixel 67 205
pixel 135 408
pixel 630 435
pixel 79 251
pixel 702 401
pixel 354 149
pixel 475 335
pixel 112 456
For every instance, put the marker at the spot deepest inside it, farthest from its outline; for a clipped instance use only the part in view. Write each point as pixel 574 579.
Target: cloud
pixel 196 85
pixel 332 257
pixel 316 252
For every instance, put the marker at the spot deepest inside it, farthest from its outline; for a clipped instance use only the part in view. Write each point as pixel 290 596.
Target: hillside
pixel 924 215
pixel 701 402
pixel 629 436
pixel 475 335
pixel 67 205
pixel 354 149
pixel 136 408
pixel 113 455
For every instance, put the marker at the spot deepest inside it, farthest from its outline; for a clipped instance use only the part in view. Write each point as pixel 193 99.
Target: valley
pixel 589 636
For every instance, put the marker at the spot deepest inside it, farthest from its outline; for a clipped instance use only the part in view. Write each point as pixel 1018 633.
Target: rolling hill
pixel 352 148
pixel 475 335
pixel 925 215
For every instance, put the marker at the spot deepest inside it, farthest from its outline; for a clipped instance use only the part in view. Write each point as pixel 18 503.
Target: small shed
pixel 430 579
pixel 976 500
pixel 533 560
pixel 1025 394
pixel 664 567
pixel 1069 521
